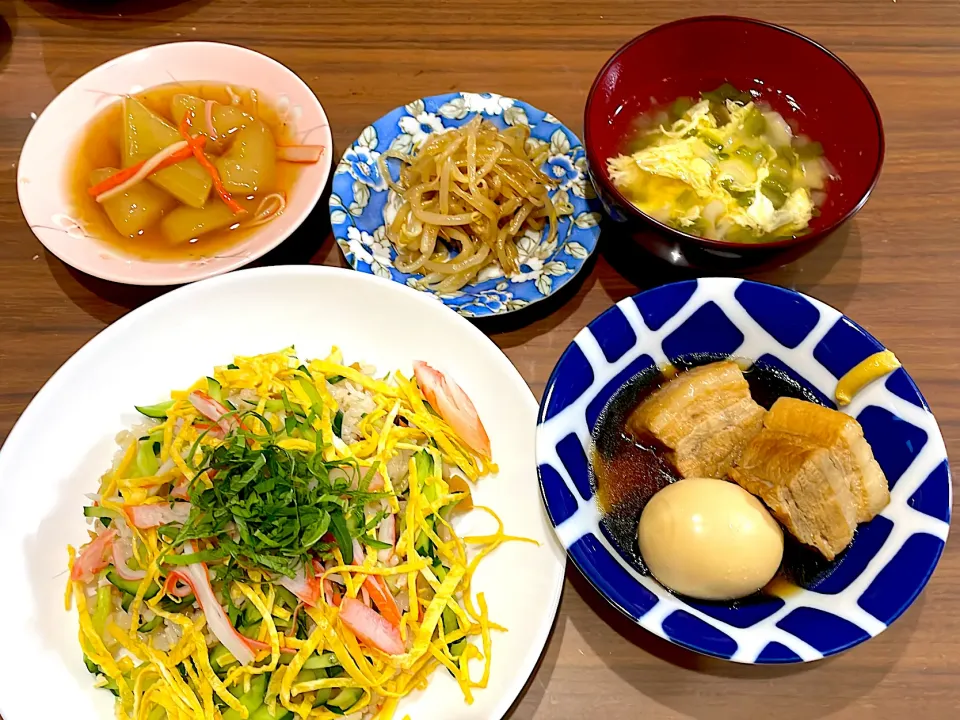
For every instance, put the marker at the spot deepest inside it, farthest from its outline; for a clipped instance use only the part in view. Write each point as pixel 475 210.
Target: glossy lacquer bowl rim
pixel 600 177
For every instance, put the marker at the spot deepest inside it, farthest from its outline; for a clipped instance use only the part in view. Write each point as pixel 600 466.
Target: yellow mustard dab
pixel 864 373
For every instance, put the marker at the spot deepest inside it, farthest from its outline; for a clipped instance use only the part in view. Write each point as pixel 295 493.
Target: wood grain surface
pixel 894 268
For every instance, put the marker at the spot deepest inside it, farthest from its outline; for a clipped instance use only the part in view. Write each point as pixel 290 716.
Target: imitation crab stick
pixel 120 181
pixel 94 557
pixel 196 145
pixel 371 628
pixel 454 406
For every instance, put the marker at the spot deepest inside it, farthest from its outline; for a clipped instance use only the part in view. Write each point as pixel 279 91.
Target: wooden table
pixel 894 269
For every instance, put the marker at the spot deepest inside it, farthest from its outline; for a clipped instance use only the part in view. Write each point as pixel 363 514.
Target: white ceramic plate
pixel 65 439
pixel 43 171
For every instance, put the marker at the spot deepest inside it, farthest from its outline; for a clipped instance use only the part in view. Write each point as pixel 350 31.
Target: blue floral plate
pixel 362 204
pixel 891 558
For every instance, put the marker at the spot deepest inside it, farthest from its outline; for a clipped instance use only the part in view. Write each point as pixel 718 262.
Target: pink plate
pixel 42 178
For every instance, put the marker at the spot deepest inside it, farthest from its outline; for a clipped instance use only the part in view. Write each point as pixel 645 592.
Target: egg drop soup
pixel 724 166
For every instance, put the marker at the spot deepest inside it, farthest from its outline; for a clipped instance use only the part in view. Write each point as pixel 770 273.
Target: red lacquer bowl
pixel 800 79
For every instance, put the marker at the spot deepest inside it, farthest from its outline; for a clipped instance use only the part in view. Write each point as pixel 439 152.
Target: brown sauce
pixel 101 146
pixel 626 472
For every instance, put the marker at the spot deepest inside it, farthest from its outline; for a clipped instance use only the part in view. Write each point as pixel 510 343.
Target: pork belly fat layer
pixel 704 417
pixel 804 486
pixel 843 436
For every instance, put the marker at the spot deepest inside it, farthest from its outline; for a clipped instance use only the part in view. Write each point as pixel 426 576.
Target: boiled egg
pixel 709 539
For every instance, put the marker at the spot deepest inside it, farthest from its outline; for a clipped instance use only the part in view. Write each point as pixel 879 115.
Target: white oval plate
pixel 65 439
pixel 43 171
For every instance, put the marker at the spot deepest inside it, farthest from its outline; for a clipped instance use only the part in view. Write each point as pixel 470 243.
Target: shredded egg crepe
pixel 277 541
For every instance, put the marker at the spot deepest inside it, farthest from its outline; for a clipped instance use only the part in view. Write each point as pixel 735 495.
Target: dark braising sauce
pixel 627 472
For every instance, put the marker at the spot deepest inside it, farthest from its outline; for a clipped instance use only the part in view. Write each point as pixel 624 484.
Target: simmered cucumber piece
pixel 135 210
pixel 186 223
pixel 144 135
pixel 227 119
pixel 249 164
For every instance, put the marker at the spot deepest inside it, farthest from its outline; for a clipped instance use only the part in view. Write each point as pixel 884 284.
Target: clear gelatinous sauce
pixel 101 145
pixel 626 472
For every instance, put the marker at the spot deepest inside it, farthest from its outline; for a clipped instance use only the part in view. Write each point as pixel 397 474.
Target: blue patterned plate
pixel 361 202
pixel 891 557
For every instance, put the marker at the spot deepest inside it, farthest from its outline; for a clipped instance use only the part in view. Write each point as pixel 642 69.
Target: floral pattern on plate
pixel 362 204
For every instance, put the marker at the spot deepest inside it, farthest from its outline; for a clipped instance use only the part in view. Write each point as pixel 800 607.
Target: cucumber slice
pixel 178 605
pixel 130 587
pixel 220 658
pixel 450 622
pixel 450 625
pixel 92 667
pixel 251 616
pixel 151 624
pixel 282 624
pixel 457 648
pixel 105 514
pixel 214 390
pixel 111 685
pixel 423 543
pixel 157 411
pixel 251 700
pixel 322 661
pixel 147 462
pixel 249 630
pixel 286 598
pixel 263 713
pixel 323 695
pixel 345 699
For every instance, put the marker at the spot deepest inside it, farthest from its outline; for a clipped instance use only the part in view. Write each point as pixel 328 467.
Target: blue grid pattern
pixel 891 558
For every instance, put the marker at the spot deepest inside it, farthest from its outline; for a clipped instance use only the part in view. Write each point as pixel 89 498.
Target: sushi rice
pixel 276 542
